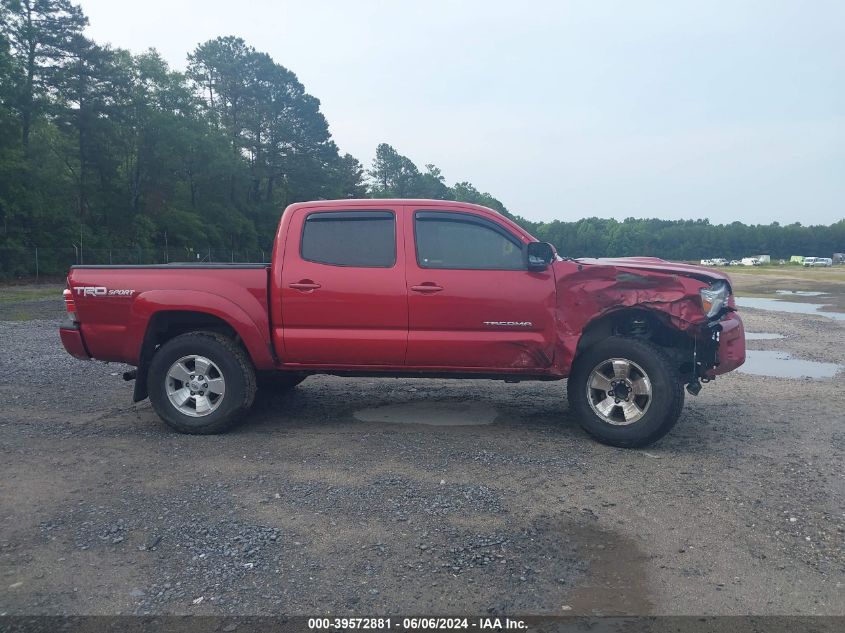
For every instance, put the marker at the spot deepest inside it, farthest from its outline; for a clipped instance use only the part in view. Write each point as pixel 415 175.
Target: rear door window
pixel 365 239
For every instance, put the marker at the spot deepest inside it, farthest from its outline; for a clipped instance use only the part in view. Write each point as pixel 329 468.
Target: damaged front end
pixel 688 311
pixel 720 346
pixel 723 346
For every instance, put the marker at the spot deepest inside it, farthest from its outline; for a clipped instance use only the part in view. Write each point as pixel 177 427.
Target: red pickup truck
pixel 423 288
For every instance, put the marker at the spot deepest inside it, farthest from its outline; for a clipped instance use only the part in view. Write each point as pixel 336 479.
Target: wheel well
pixel 166 325
pixel 638 323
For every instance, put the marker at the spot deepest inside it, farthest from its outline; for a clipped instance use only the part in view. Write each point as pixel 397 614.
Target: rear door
pixel 343 289
pixel 472 302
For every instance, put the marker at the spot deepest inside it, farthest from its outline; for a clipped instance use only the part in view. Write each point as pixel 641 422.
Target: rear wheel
pixel 201 383
pixel 626 392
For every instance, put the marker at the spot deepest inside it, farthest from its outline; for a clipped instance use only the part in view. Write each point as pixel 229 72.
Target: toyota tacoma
pixel 417 288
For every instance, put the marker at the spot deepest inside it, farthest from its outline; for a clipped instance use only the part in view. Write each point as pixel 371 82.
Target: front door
pixel 472 303
pixel 343 288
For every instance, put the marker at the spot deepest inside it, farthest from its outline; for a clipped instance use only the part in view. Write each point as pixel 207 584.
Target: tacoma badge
pixel 509 323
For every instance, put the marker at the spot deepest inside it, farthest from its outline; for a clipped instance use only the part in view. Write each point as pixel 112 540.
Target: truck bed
pixel 114 303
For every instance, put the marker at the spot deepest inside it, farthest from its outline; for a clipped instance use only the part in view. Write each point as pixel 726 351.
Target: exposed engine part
pixel 694 385
pixel 638 327
pixel 704 356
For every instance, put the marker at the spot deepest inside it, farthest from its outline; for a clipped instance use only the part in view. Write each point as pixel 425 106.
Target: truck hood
pixel 657 265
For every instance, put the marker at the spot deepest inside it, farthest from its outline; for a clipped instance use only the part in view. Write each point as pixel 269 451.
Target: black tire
pixel 279 380
pixel 233 365
pixel 664 403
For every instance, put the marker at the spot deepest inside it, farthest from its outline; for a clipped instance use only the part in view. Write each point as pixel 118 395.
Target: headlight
pixel 714 297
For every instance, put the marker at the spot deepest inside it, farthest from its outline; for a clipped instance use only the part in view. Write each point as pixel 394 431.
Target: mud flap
pixel 147 351
pixel 140 392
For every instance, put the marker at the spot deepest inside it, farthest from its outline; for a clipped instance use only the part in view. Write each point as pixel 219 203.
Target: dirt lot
pixel 790 282
pixel 380 496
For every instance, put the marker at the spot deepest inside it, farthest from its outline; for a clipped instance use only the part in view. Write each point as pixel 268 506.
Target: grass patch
pixel 16 295
pixel 20 315
pixel 758 294
pixel 836 273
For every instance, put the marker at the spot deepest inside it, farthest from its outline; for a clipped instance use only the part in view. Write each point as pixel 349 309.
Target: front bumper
pixel 72 341
pixel 728 346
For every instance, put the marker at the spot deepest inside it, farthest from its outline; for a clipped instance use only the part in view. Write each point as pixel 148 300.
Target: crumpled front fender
pixel 588 293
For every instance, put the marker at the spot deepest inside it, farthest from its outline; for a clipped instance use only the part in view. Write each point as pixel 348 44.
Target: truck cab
pixel 430 287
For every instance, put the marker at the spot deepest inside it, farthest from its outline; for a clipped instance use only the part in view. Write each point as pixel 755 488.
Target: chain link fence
pixel 54 261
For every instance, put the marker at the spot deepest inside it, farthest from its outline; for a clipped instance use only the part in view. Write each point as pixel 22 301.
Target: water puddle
pixel 782 365
pixel 616 581
pixel 762 336
pixel 431 413
pixel 801 293
pixel 787 306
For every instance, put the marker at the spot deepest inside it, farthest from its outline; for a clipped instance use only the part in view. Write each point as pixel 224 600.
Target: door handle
pixel 427 287
pixel 305 285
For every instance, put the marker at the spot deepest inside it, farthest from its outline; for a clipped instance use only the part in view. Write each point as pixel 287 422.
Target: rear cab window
pixel 363 239
pixel 453 240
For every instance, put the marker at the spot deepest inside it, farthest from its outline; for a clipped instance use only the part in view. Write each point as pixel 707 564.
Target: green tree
pixel 432 184
pixel 393 175
pixel 43 35
pixel 275 124
pixel 103 149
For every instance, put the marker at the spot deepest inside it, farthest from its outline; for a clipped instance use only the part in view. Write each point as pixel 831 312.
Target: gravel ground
pixel 323 502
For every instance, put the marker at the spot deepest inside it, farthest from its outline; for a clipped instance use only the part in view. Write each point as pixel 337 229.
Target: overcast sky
pixel 726 110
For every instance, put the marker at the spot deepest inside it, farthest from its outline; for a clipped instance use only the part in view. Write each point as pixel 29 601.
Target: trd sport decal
pixel 100 291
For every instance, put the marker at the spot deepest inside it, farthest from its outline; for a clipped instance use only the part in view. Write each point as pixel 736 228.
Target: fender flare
pixel 243 320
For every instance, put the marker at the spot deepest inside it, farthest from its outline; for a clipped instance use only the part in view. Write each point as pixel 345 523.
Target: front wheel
pixel 201 383
pixel 626 392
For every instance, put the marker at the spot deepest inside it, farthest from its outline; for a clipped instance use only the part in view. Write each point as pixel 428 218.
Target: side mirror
pixel 540 255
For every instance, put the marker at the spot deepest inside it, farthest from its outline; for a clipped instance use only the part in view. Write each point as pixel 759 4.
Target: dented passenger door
pixel 472 302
